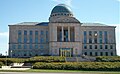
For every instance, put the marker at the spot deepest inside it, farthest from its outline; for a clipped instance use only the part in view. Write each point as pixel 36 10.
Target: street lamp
pixel 6 58
pixel 11 53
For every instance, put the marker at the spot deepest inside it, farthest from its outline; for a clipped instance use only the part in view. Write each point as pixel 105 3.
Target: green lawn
pixel 63 71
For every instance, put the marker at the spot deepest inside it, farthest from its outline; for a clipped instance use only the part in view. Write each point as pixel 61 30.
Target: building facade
pixel 63 35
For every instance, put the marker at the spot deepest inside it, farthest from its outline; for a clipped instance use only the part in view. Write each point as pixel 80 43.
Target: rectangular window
pixel 13 46
pixel 36 39
pixel 85 46
pixel 90 40
pixel 25 32
pixel 19 46
pixel 101 47
pixel 100 36
pixel 30 39
pixel 36 46
pixel 25 39
pixel 95 46
pixel 41 40
pixel 111 47
pixel 25 46
pixel 85 37
pixel 41 46
pixel 31 33
pixel 36 32
pixel 19 32
pixel 30 46
pixel 90 33
pixel 46 36
pixel 106 47
pixel 105 37
pixel 42 32
pixel 90 46
pixel 19 39
pixel 95 40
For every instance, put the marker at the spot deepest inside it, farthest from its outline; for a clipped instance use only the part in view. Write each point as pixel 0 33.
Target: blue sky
pixel 92 11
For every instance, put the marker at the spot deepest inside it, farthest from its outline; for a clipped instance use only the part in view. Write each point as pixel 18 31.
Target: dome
pixel 61 9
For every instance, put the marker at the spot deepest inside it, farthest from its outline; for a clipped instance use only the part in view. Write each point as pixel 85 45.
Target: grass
pixel 63 71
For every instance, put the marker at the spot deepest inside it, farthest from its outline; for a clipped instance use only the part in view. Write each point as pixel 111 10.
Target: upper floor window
pixel 31 32
pixel 90 46
pixel 101 47
pixel 85 46
pixel 13 46
pixel 105 37
pixel 19 46
pixel 36 32
pixel 90 33
pixel 25 32
pixel 85 37
pixel 42 32
pixel 106 47
pixel 36 46
pixel 30 46
pixel 90 40
pixel 95 46
pixel 95 33
pixel 19 32
pixel 41 40
pixel 25 46
pixel 111 46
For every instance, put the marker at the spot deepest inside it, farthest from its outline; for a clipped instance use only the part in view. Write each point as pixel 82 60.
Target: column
pixel 68 33
pixel 62 33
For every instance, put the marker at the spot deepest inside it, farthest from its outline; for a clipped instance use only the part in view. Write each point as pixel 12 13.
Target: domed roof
pixel 61 8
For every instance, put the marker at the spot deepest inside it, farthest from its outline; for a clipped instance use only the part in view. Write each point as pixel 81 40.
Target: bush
pixel 89 66
pixel 46 59
pixel 1 64
pixel 108 59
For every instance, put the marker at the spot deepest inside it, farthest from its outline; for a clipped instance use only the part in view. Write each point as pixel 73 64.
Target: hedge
pixel 108 59
pixel 1 64
pixel 46 59
pixel 89 66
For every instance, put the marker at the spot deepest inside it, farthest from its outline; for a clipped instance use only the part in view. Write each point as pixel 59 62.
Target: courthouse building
pixel 63 35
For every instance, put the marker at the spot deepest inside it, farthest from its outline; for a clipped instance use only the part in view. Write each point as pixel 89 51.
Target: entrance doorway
pixel 65 52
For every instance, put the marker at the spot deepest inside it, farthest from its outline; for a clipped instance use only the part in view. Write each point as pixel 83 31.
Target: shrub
pixel 94 66
pixel 108 59
pixel 1 64
pixel 46 59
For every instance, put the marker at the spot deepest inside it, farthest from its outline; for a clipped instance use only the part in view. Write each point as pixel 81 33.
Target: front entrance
pixel 65 52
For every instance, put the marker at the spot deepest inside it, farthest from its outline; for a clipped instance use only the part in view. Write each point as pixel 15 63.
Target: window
pixel 46 36
pixel 101 47
pixel 95 33
pixel 95 40
pixel 106 47
pixel 96 54
pixel 41 40
pixel 41 46
pixel 90 46
pixel 106 53
pixel 90 33
pixel 31 33
pixel 19 32
pixel 36 46
pixel 85 37
pixel 36 39
pixel 90 53
pixel 25 39
pixel 19 39
pixel 19 47
pixel 85 46
pixel 36 32
pixel 25 32
pixel 111 47
pixel 42 32
pixel 25 46
pixel 95 46
pixel 111 53
pixel 101 53
pixel 100 36
pixel 30 39
pixel 105 37
pixel 30 46
pixel 13 46
pixel 90 40
pixel 85 53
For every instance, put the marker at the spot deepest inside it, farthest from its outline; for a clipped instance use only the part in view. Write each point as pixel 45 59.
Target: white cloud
pixel 2 34
pixel 67 2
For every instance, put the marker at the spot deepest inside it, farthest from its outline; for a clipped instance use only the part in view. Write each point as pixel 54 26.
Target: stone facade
pixel 63 36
